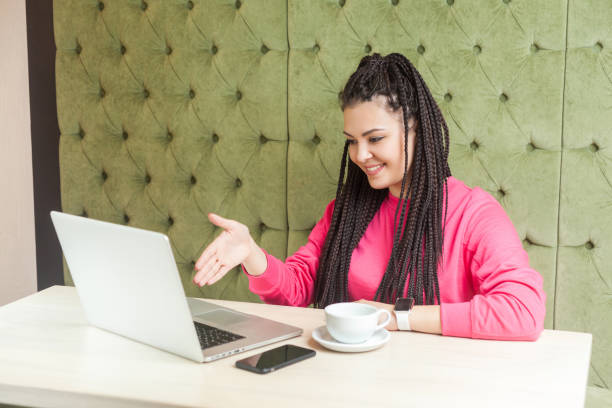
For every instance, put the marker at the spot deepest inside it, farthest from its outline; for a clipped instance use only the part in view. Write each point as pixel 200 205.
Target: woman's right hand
pixel 229 249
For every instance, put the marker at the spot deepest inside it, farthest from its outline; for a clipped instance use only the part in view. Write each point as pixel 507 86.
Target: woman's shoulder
pixel 470 200
pixel 476 206
pixel 458 190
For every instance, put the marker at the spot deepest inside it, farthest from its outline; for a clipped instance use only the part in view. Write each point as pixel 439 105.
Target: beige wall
pixel 17 245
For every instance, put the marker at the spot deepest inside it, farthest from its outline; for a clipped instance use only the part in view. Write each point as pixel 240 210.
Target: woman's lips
pixel 375 170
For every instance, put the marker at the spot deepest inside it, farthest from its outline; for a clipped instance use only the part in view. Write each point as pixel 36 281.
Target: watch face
pixel 404 304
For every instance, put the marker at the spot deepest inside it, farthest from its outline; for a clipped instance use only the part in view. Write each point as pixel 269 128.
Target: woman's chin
pixel 377 184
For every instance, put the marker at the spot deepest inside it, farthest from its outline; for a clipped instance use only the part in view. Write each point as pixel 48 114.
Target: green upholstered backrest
pixel 170 109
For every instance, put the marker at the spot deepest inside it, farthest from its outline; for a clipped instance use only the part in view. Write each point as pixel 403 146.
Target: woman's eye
pixel 373 140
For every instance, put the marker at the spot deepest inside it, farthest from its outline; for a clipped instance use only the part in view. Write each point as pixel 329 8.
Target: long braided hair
pixel 417 248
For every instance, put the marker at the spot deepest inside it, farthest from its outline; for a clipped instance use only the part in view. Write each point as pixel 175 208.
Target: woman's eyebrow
pixel 364 133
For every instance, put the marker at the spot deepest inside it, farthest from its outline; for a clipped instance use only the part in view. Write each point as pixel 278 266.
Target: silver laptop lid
pixel 137 269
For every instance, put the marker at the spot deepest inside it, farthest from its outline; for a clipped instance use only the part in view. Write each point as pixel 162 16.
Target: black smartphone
pixel 271 360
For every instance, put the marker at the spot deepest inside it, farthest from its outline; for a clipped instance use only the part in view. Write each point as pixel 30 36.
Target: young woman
pixel 456 253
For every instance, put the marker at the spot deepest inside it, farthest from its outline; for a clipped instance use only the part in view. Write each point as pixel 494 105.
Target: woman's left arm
pixel 509 302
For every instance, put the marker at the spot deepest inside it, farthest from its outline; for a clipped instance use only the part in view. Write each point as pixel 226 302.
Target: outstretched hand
pixel 229 249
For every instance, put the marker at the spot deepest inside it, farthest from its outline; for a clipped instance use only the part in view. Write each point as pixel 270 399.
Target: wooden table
pixel 50 357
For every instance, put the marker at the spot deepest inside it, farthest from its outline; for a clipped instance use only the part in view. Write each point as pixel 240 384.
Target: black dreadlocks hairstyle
pixel 418 248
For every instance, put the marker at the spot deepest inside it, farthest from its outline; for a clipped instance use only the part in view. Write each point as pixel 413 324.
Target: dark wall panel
pixel 45 139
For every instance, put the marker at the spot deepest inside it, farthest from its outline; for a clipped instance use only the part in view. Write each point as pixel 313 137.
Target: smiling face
pixel 376 143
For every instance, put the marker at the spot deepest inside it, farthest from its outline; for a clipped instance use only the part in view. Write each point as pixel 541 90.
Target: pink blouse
pixel 487 288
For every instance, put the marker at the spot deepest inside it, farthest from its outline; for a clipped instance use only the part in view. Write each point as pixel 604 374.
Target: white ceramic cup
pixel 354 322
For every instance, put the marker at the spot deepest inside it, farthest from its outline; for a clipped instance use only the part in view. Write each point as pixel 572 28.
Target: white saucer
pixel 322 336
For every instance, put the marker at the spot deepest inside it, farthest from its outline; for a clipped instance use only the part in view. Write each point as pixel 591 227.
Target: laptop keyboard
pixel 211 336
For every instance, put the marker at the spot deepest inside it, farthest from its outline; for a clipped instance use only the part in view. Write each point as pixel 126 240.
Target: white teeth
pixel 374 168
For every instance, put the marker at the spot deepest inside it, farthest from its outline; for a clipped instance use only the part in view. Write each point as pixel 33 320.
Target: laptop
pixel 128 284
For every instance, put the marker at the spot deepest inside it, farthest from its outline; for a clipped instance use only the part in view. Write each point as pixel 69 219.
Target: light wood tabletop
pixel 51 357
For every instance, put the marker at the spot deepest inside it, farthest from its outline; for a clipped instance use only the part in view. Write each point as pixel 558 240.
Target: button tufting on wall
pixel 448 97
pixel 367 48
pixel 84 213
pixel 264 49
pixel 147 179
pixel 263 227
pixel 450 2
pixel 341 3
pixel 193 180
pixel 238 182
pixel 122 49
pixel 169 136
pixel 501 192
pixel 104 175
pixel 145 93
pixel 534 48
pixel 238 4
pixel 215 138
pixel 474 145
pixel 214 49
pixel 503 97
pixel 100 6
pixel 144 5
pixel 594 147
pixel 126 218
pixel 316 139
pixel 78 49
pixel 598 46
pixel 316 48
pixel 102 93
pixel 589 245
pixel 168 50
pixel 395 2
pixel 190 5
pixel 81 133
pixel 263 139
pixel 238 95
pixel 507 1
pixel 527 241
pixel 170 221
pixel 421 49
pixel 191 93
pixel 124 135
pixel 530 147
pixel 477 49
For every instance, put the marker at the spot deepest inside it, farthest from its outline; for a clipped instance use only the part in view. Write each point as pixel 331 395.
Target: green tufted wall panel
pixel 584 273
pixel 169 110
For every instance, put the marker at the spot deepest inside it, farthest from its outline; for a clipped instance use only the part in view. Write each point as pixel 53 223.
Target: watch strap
pixel 403 321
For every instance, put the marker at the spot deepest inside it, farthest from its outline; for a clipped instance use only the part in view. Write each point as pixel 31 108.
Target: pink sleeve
pixel 292 283
pixel 509 301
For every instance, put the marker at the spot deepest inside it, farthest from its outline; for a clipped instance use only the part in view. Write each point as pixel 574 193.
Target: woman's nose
pixel 363 152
